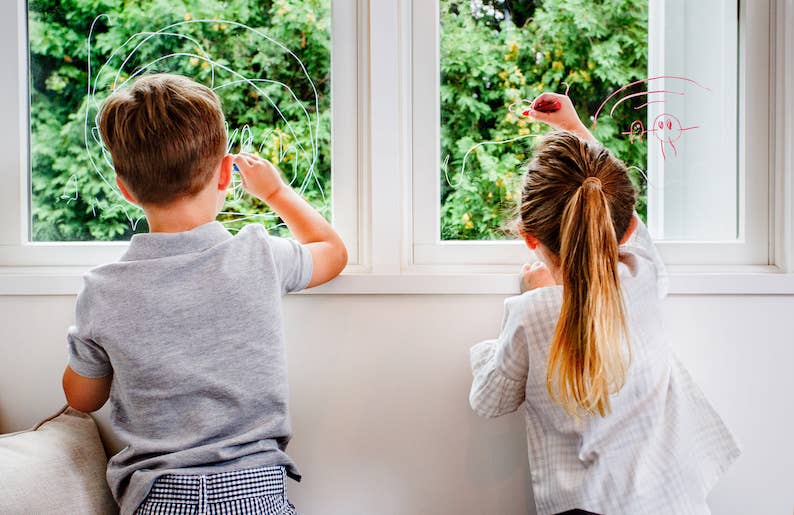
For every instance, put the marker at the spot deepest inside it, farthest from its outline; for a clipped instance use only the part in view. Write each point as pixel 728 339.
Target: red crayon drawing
pixel 666 127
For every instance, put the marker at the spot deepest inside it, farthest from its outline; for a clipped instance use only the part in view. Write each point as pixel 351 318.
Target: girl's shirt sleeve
pixel 641 244
pixel 500 366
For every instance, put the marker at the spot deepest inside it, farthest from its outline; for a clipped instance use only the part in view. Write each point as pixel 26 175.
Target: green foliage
pixel 487 64
pixel 70 199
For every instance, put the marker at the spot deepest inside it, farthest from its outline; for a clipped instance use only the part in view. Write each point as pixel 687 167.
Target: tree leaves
pixel 59 101
pixel 595 47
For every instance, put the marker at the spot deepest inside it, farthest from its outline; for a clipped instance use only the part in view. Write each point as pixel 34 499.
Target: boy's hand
pixel 535 276
pixel 260 177
pixel 564 118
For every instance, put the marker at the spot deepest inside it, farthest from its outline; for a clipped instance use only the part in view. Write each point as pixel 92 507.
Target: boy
pixel 184 333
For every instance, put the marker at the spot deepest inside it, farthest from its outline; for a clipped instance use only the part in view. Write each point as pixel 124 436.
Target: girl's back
pixel 626 432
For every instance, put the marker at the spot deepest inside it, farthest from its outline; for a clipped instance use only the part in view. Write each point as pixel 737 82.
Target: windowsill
pixel 749 280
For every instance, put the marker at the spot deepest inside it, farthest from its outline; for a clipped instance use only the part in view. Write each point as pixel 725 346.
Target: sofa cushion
pixel 56 467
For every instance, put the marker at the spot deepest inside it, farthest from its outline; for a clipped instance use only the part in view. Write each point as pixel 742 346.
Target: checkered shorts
pixel 251 491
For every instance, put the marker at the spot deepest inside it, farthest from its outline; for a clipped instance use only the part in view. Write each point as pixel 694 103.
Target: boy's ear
pixel 125 191
pixel 530 240
pixel 630 230
pixel 225 177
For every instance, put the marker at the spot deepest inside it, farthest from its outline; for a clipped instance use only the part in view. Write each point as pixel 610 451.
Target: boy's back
pixel 192 324
pixel 184 334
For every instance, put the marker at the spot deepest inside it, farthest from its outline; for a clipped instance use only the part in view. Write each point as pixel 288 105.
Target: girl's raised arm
pixel 562 115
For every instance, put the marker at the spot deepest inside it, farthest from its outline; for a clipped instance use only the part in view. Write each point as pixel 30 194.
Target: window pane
pixel 269 62
pixel 694 190
pixel 497 52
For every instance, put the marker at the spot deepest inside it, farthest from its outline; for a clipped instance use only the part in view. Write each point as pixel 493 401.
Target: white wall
pixel 379 398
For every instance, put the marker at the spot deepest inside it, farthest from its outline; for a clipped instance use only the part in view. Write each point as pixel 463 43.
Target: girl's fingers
pixel 540 115
pixel 543 97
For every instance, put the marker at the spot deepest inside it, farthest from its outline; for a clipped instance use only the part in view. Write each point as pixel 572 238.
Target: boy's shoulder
pixel 153 259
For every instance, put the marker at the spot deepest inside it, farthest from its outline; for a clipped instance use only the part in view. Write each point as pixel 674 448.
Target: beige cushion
pixel 56 467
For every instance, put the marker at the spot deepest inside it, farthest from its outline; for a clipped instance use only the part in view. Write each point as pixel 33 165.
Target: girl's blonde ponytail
pixel 578 201
pixel 586 361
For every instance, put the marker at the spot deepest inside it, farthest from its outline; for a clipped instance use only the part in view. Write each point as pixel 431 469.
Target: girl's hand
pixel 260 177
pixel 564 118
pixel 535 276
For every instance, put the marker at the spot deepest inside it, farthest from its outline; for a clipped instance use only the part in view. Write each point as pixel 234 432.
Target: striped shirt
pixel 660 450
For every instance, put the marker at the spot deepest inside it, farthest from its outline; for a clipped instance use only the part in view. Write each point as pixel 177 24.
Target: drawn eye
pixel 669 124
pixel 661 124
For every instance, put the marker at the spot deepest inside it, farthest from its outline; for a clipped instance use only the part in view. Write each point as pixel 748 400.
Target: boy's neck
pixel 179 215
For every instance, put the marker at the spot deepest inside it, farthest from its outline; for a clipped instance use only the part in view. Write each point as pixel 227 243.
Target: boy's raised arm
pixel 262 179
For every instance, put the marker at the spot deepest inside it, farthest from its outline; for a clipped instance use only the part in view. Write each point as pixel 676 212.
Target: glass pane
pixel 269 61
pixel 497 52
pixel 693 177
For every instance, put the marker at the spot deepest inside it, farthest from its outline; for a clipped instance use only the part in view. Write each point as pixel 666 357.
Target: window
pixel 629 65
pixel 402 78
pixel 276 103
pixel 494 54
pixel 271 63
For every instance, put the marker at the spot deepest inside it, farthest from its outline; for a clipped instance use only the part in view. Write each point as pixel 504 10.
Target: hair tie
pixel 593 182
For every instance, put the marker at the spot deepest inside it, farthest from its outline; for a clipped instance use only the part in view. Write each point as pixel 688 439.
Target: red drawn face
pixel 666 127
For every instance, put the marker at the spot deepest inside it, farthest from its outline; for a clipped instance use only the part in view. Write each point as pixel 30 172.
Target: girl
pixel 615 424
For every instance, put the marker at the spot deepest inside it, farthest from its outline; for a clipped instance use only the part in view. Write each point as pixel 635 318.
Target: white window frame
pixel 16 250
pixel 752 244
pixel 753 166
pixel 389 188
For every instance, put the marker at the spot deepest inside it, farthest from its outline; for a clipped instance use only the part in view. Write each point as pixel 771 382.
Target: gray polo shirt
pixel 190 326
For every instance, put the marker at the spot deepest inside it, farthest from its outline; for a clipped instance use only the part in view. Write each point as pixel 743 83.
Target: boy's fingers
pixel 243 162
pixel 254 157
pixel 246 158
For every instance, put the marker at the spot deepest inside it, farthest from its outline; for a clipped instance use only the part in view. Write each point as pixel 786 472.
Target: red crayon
pixel 546 106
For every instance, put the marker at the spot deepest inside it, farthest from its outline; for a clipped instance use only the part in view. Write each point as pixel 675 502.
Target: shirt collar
pixel 154 245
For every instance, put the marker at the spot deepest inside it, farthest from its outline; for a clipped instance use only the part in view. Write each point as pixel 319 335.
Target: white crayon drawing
pixel 518 109
pixel 70 190
pixel 297 151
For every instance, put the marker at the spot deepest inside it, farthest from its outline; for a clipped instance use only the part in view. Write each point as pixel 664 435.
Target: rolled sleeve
pixel 86 357
pixel 500 367
pixel 293 263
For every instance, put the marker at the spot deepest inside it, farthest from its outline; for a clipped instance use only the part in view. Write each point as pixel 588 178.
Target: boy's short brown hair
pixel 166 134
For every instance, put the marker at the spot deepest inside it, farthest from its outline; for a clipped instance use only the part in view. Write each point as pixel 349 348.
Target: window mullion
pixel 386 136
pixel 13 133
